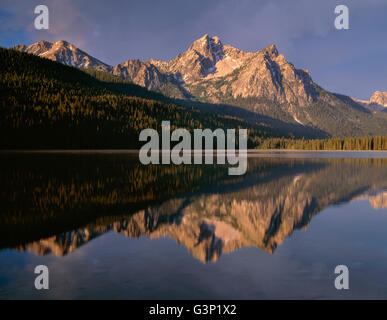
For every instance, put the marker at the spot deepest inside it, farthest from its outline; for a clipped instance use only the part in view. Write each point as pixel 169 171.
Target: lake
pixel 108 227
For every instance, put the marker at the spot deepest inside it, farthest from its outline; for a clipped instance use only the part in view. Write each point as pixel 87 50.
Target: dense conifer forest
pixel 366 143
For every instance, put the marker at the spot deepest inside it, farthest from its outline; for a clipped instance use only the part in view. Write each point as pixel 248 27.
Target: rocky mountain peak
pixel 209 48
pixel 64 44
pixel 206 63
pixel 64 52
pixel 271 50
pixel 379 98
pixel 36 48
pixel 200 44
pixel 377 102
pixel 198 61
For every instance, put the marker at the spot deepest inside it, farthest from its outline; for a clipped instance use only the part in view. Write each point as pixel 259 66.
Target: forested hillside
pixel 377 143
pixel 45 104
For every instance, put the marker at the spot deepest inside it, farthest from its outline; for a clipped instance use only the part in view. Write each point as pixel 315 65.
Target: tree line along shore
pixel 376 143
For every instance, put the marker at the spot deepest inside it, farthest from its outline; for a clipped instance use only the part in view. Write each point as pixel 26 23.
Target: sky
pixel 352 62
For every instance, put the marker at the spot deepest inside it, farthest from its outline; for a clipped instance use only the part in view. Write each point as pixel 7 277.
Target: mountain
pixel 264 83
pixel 64 52
pixel 245 74
pixel 242 75
pixel 379 98
pixel 259 87
pixel 378 101
pixel 147 75
pixel 50 105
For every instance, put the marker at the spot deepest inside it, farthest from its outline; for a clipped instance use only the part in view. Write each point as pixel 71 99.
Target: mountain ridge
pixel 262 82
pixel 63 52
pixel 378 101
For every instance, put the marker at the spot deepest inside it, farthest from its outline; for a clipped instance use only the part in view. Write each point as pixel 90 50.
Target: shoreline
pixel 251 151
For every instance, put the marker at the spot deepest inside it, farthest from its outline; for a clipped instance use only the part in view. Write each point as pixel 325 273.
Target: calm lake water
pixel 108 227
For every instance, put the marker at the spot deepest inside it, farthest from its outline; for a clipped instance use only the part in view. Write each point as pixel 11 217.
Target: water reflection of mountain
pixel 209 216
pixel 378 199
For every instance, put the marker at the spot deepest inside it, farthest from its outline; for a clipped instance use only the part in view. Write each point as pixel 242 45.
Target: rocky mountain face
pixel 263 83
pixel 265 73
pixel 198 62
pixel 207 61
pixel 144 74
pixel 379 98
pixel 64 52
pixel 378 101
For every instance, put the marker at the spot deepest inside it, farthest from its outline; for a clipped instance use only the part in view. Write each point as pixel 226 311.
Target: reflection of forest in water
pixel 53 203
